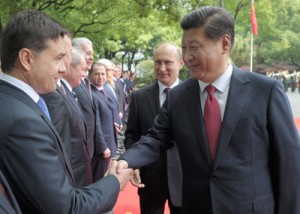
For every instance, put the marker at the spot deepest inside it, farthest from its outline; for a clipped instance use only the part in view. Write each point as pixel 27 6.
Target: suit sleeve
pixel 157 140
pixel 37 173
pixel 285 152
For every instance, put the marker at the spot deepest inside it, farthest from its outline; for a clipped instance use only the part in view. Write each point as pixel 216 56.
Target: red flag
pixel 253 20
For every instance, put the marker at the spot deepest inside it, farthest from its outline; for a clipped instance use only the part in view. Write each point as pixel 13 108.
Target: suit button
pixel 213 180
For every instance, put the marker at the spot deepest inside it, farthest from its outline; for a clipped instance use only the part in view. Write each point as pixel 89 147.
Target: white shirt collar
pixel 222 82
pixel 21 85
pixel 67 84
pixel 162 86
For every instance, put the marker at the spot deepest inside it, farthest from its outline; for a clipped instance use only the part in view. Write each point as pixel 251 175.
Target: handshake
pixel 123 174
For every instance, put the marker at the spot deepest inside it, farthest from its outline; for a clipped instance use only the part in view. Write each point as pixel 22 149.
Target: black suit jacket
pixel 68 119
pixel 89 112
pixel 8 205
pixel 36 165
pixel 168 168
pixel 258 148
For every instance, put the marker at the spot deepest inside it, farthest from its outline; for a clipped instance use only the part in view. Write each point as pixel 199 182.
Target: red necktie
pixel 212 120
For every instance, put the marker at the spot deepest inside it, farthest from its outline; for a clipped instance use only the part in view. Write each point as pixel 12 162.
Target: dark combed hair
pixel 28 29
pixel 215 21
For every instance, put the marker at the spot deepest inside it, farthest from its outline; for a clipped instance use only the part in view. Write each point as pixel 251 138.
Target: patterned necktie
pixel 166 90
pixel 212 120
pixel 41 103
pixel 74 95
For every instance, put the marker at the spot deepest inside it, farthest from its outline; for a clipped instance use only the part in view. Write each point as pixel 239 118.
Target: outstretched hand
pixel 136 179
pixel 124 175
pixel 121 165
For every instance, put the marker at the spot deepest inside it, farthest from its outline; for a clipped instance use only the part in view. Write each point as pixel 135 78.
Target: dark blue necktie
pixel 41 103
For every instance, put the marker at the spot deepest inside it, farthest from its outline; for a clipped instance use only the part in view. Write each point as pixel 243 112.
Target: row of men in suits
pixel 46 157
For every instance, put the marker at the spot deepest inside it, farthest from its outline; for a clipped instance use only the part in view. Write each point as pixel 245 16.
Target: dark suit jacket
pixel 114 103
pixel 256 168
pixel 36 165
pixel 89 112
pixel 68 119
pixel 11 206
pixel 168 169
pixel 107 131
pixel 106 134
pixel 119 90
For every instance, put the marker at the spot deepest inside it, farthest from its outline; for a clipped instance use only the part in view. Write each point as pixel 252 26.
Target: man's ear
pixel 181 64
pixel 226 43
pixel 26 58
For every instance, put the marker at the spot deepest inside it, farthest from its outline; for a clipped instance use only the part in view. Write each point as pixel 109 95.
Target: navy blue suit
pixel 106 134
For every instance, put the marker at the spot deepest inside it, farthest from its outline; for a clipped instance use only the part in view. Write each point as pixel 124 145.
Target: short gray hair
pixel 79 42
pixel 106 63
pixel 77 56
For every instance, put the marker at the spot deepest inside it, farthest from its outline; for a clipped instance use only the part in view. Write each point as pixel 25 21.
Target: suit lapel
pixel 152 99
pixel 192 99
pixel 238 94
pixel 86 92
pixel 21 96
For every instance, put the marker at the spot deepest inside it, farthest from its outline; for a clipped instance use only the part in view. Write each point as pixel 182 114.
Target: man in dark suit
pixel 8 203
pixel 67 117
pixel 244 166
pixel 33 158
pixel 107 147
pixel 163 178
pixel 84 94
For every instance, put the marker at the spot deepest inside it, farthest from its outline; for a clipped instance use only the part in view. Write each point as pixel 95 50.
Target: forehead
pixel 193 35
pixel 68 42
pixel 99 69
pixel 56 47
pixel 166 52
pixel 87 48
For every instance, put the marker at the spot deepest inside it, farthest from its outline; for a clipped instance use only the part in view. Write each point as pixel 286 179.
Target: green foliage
pixel 129 30
pixel 145 71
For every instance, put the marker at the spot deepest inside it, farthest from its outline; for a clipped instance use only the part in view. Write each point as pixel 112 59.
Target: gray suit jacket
pixel 257 164
pixel 154 176
pixel 36 165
